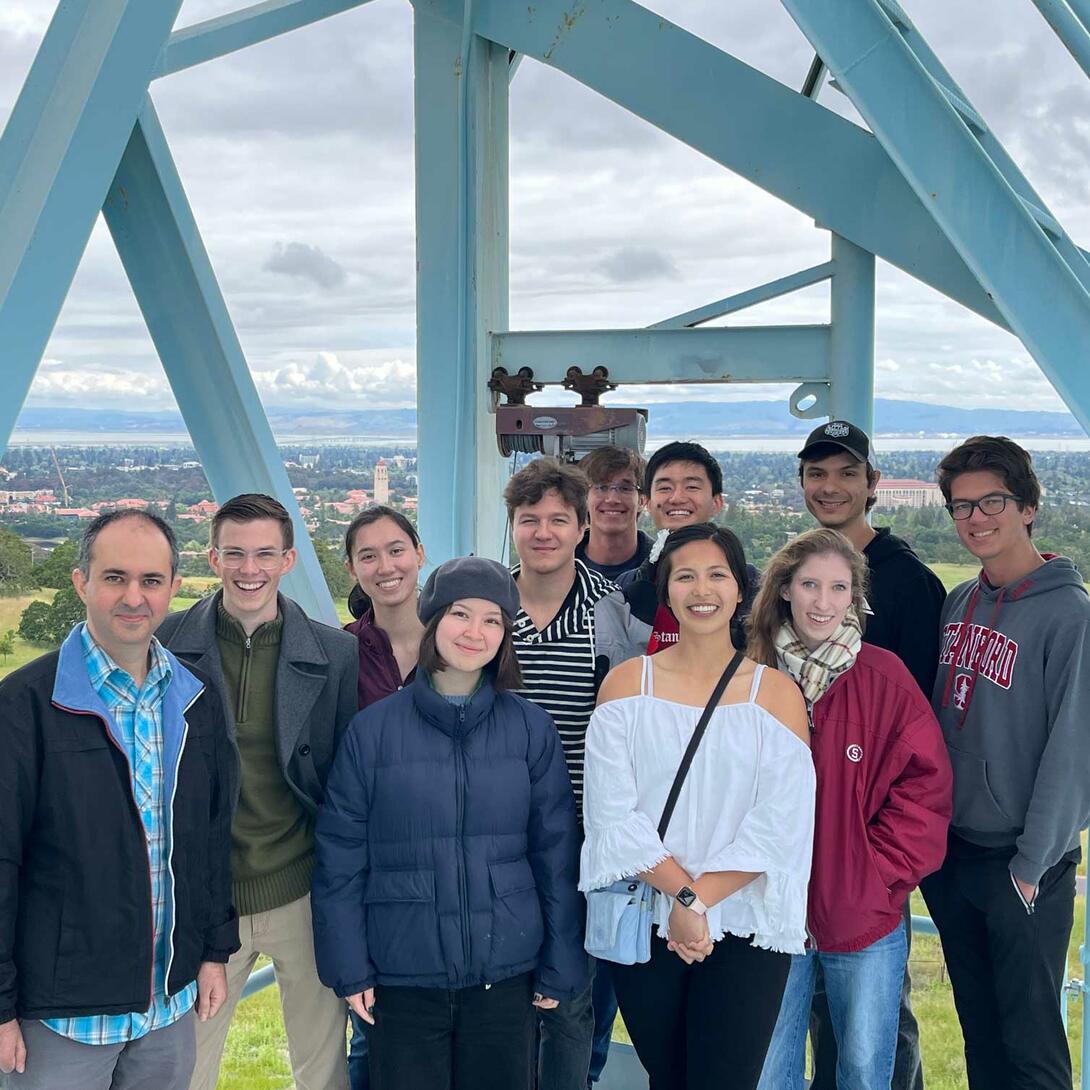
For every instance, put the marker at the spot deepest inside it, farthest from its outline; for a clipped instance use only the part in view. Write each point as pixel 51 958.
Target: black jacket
pixel 905 597
pixel 75 897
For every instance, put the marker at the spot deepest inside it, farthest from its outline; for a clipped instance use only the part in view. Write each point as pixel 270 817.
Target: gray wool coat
pixel 315 687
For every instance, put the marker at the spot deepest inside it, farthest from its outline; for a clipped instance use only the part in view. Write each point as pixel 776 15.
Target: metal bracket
pixel 588 387
pixel 819 391
pixel 516 388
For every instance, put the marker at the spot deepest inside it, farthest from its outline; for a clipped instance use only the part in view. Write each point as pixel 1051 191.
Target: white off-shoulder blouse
pixel 747 804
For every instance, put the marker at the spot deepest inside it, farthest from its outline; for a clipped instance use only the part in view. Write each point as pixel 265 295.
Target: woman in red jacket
pixel 883 806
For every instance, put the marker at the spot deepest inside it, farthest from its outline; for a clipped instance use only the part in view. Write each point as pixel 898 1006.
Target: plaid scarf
pixel 816 670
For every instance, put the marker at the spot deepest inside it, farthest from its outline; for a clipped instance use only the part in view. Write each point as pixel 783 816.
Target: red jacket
pixel 884 790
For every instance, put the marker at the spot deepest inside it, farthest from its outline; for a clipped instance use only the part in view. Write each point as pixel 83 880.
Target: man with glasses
pixel 1011 696
pixel 613 545
pixel 289 689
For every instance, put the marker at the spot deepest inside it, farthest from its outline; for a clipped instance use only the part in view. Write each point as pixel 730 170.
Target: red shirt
pixel 379 674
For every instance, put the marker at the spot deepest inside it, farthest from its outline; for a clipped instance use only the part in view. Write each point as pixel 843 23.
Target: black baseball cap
pixel 840 434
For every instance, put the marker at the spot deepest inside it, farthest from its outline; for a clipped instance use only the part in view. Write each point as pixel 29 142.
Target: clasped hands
pixel 689 937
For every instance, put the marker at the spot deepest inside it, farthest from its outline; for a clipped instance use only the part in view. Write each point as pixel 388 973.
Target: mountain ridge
pixel 765 419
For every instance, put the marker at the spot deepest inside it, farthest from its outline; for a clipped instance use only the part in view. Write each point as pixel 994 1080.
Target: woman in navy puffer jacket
pixel 444 896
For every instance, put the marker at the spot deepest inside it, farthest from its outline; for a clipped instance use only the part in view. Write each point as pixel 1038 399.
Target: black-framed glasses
pixel 995 504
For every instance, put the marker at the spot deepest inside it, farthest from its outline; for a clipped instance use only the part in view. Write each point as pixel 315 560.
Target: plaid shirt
pixel 137 715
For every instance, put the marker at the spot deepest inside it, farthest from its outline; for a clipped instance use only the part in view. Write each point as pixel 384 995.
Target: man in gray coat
pixel 288 686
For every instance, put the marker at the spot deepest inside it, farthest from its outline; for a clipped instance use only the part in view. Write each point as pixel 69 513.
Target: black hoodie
pixel 906 598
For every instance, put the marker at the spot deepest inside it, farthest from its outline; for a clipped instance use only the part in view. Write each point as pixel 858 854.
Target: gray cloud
pixel 631 264
pixel 306 263
pixel 310 137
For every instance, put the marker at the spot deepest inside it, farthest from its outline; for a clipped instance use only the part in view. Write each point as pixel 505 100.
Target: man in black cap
pixel 905 598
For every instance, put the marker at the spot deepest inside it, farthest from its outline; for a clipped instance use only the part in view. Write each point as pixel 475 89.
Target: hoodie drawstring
pixel 960 646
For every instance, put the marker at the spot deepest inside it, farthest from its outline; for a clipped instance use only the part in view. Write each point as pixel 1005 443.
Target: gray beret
pixel 468 577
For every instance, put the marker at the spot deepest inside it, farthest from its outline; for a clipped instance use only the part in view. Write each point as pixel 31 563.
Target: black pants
pixel 1006 966
pixel 476 1038
pixel 908 1067
pixel 704 1026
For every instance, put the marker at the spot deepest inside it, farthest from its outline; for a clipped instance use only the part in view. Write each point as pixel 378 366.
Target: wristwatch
pixel 686 896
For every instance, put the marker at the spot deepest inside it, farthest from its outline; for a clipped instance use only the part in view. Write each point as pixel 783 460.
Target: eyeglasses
pixel 995 504
pixel 620 489
pixel 265 559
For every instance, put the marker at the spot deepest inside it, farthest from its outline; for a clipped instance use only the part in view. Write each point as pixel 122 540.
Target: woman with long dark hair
pixel 445 900
pixel 732 866
pixel 883 806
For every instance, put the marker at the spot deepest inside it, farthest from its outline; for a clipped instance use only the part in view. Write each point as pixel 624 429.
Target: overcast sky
pixel 297 158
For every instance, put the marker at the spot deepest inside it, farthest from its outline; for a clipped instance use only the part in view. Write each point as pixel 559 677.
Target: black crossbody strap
pixel 694 743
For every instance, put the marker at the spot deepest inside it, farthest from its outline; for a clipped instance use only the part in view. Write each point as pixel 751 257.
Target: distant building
pixel 309 461
pixel 74 514
pixel 382 482
pixel 907 493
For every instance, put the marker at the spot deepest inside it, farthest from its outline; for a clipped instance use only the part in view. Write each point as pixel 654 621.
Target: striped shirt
pixel 137 715
pixel 558 665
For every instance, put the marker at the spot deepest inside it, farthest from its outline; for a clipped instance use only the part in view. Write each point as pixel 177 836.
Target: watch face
pixel 686 896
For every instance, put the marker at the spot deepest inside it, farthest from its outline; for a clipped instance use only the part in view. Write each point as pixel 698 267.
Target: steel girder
pixel 783 142
pixel 58 153
pixel 461 97
pixel 1016 251
pixel 167 265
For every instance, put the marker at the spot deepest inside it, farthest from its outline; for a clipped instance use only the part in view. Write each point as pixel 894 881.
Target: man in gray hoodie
pixel 1011 696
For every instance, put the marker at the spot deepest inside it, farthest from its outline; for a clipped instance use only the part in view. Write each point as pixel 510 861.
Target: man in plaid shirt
pixel 115 915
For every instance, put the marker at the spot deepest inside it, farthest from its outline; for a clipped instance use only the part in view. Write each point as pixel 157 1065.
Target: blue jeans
pixel 864 994
pixel 359 1075
pixel 604 1002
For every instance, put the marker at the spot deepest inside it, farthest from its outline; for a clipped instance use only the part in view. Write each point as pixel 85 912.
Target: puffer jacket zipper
pixel 460 794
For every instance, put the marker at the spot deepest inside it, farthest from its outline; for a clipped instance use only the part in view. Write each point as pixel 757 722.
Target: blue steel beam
pixel 736 354
pixel 1069 28
pixel 212 38
pixel 733 303
pixel 851 349
pixel 58 152
pixel 1042 300
pixel 462 286
pixel 160 246
pixel 789 145
pixel 991 146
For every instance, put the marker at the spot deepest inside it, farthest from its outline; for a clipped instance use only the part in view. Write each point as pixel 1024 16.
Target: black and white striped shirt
pixel 558 666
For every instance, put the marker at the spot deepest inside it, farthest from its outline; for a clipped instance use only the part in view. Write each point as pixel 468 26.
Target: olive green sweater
pixel 272 842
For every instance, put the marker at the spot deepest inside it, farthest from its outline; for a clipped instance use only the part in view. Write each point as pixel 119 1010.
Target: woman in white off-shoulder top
pixel 702 1010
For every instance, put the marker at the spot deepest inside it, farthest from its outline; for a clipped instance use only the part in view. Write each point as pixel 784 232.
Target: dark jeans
pixel 908 1066
pixel 704 1026
pixel 477 1038
pixel 604 1002
pixel 1006 965
pixel 566 1034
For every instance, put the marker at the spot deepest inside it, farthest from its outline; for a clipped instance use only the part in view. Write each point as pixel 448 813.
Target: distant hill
pixel 698 418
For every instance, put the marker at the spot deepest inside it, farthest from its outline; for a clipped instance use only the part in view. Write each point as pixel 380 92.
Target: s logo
pixel 854 753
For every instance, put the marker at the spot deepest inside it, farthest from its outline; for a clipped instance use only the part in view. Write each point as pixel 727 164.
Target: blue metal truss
pixel 1070 19
pixel 1000 227
pixel 58 153
pixel 160 247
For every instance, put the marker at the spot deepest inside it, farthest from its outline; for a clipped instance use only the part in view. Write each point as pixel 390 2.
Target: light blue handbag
pixel 619 915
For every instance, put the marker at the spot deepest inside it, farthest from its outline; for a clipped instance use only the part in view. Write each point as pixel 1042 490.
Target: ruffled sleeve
pixel 776 839
pixel 620 839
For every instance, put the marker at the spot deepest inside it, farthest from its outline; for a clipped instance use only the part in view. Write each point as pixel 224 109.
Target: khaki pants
pixel 315 1019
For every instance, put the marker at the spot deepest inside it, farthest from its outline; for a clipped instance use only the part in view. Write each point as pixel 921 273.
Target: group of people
pixel 405 816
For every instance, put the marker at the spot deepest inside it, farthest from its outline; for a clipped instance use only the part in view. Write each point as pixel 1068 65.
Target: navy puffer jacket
pixel 447 848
